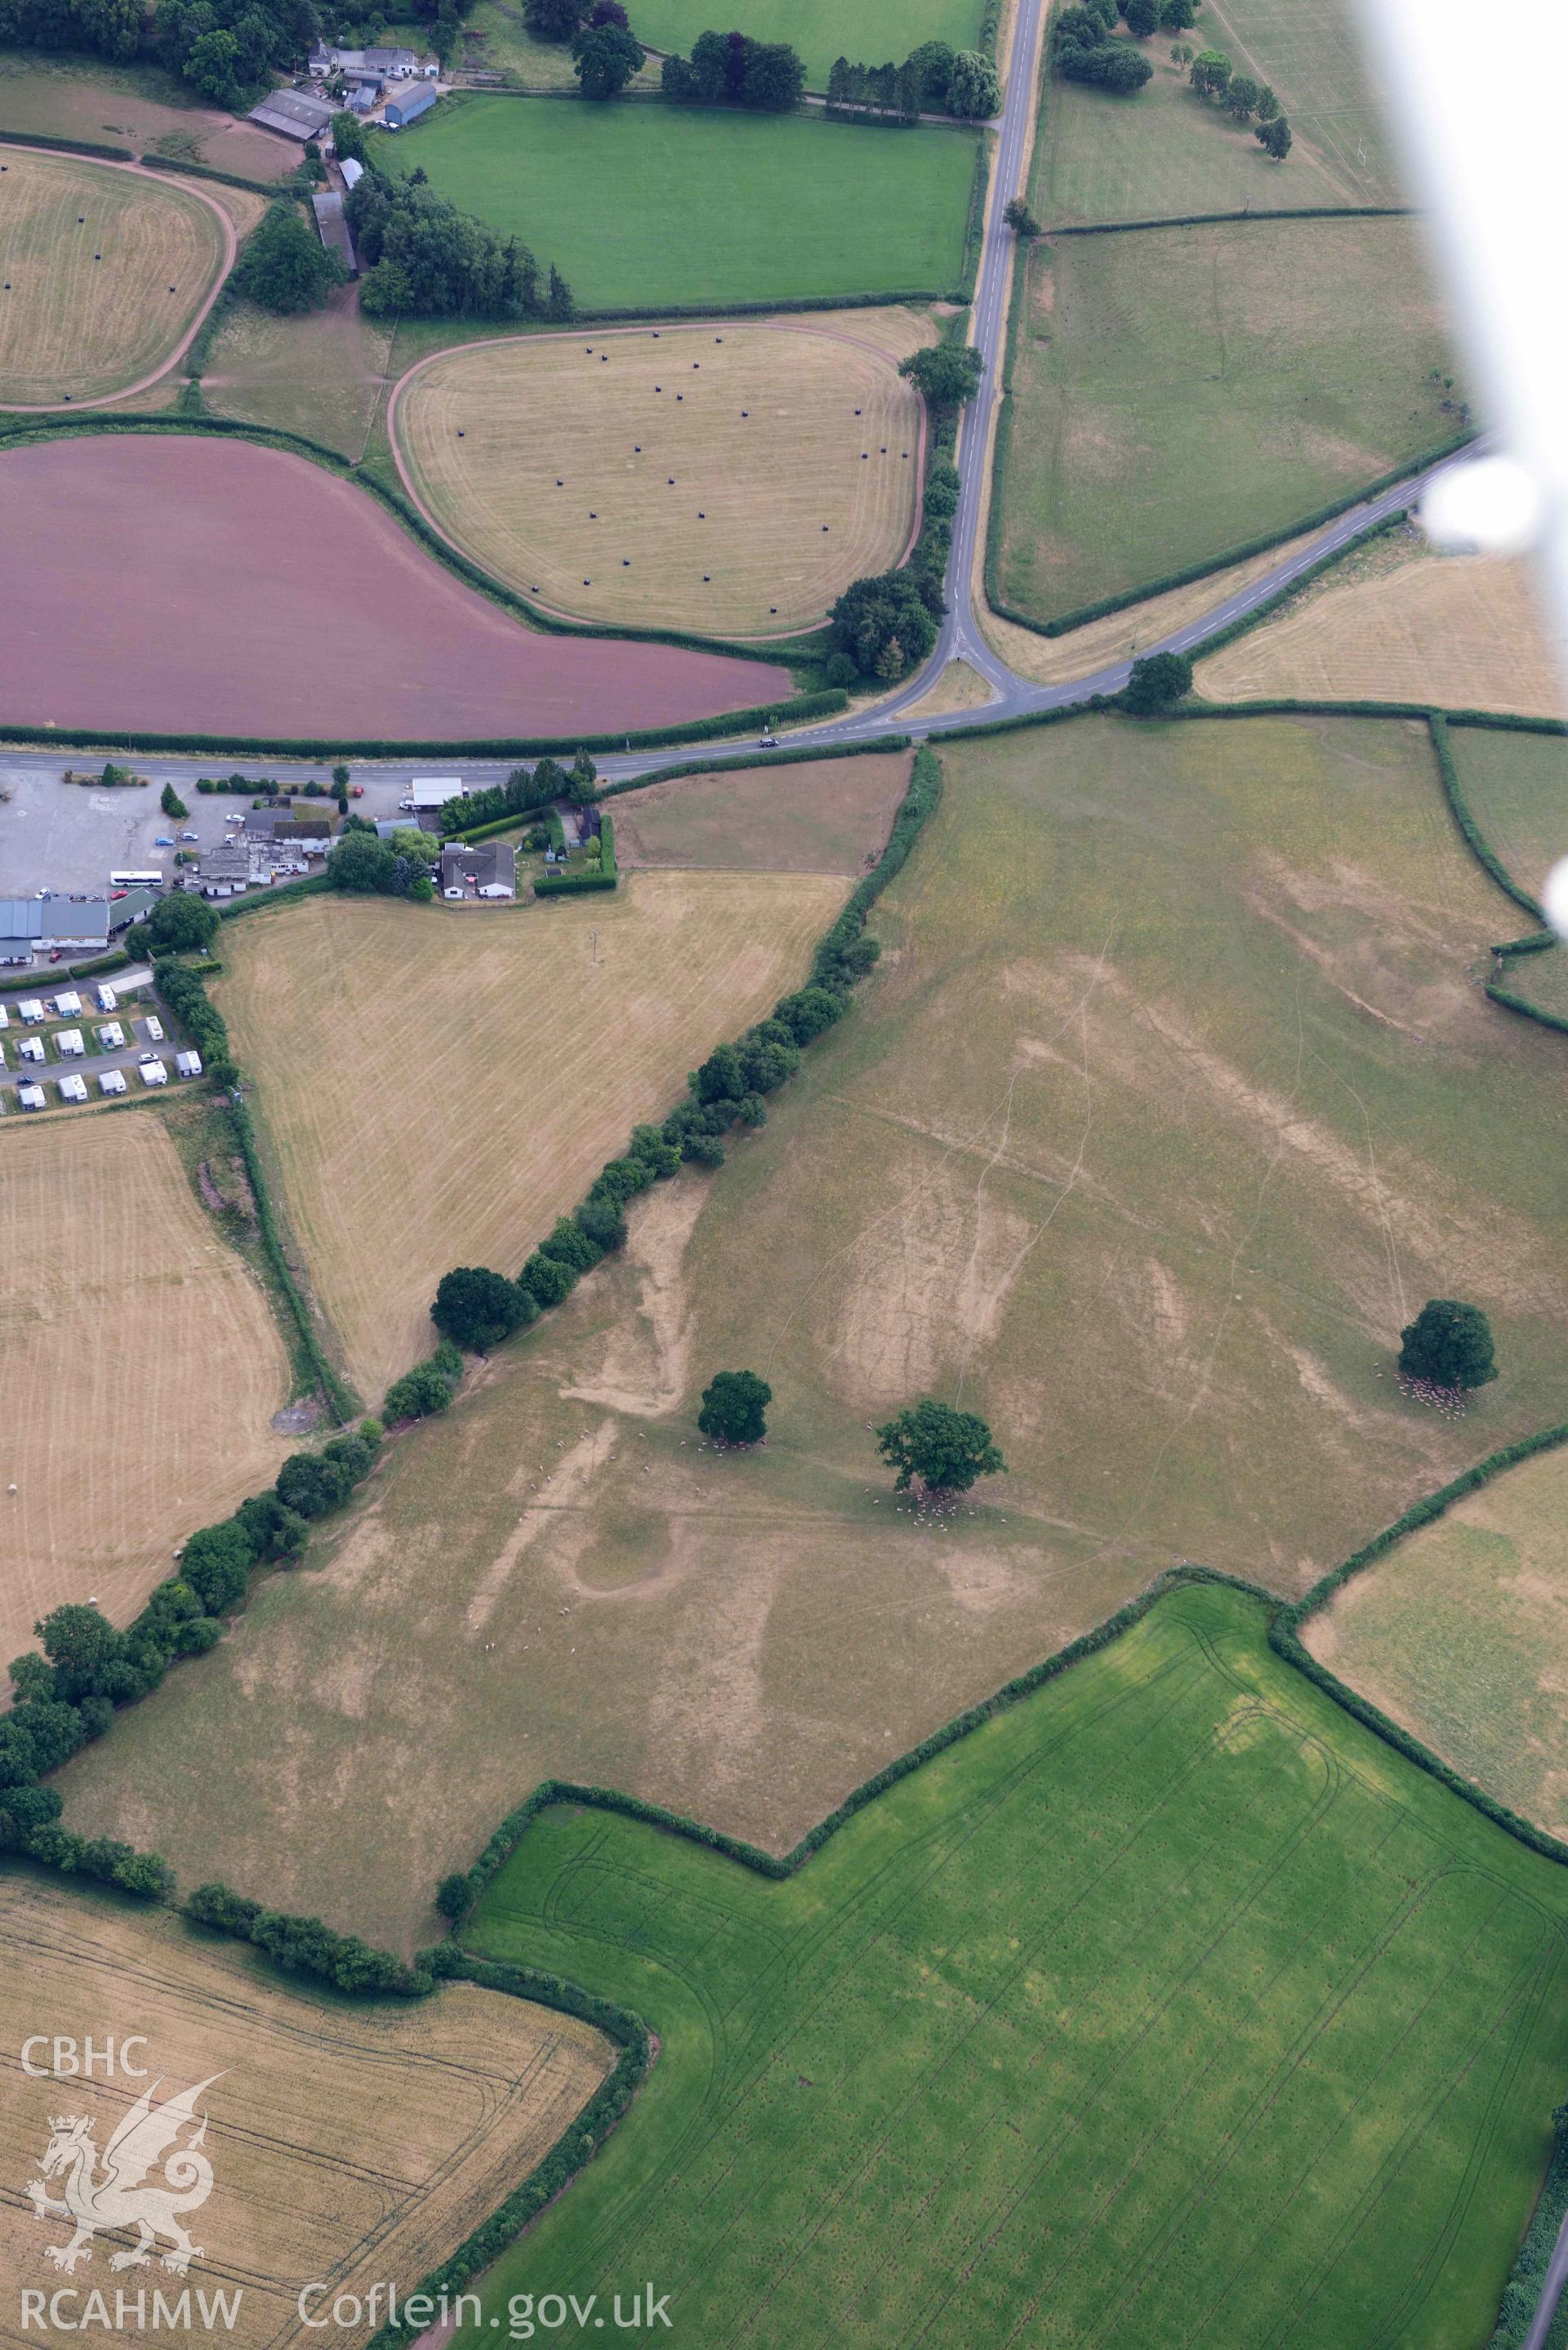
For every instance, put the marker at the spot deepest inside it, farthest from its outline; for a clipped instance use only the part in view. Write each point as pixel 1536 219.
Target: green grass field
pixel 1168 2007
pixel 1181 392
pixel 641 206
pixel 1517 786
pixel 822 30
pixel 1172 1099
pixel 1166 152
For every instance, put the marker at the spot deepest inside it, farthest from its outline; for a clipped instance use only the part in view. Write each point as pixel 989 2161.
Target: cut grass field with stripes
pixel 731 478
pixel 1168 2007
pixel 102 273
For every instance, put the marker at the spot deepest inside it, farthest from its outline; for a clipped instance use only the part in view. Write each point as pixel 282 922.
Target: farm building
pixel 153 1073
pixel 134 907
pixel 293 113
pixel 68 1044
pixel 67 1004
pixel 362 97
pixel 332 227
pixel 353 172
pixel 489 871
pixel 401 111
pixel 30 1097
pixel 432 792
pixel 112 1036
pixel 73 1088
pixel 188 1064
pixel 111 1081
pixel 393 65
pixel 282 825
pixel 30 926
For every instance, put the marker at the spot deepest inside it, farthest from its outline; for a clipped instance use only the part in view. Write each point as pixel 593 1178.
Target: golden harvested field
pixel 1461 632
pixel 730 478
pixel 103 271
pixel 350 2144
pixel 1461 1632
pixel 143 1366
pixel 826 815
pixel 436 1087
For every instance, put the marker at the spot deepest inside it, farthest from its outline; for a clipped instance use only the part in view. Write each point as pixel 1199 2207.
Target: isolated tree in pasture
pixel 1209 73
pixel 1157 683
pixel 942 1450
pixel 1241 97
pixel 973 89
pixel 283 265
pixel 946 374
pixel 1448 1344
pixel 734 1406
pixel 477 1309
pixel 606 57
pixel 1142 17
pixel 1019 217
pixel 1274 138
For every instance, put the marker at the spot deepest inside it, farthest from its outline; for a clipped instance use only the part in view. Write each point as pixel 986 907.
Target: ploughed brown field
pixel 181 585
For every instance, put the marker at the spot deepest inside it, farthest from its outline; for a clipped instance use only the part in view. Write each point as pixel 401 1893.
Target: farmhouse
pixel 489 871
pixel 401 111
pixel 392 64
pixel 293 113
pixel 332 227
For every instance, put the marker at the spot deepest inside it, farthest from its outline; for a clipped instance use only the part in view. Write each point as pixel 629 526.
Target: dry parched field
pixel 143 1367
pixel 731 478
pixel 102 273
pixel 437 1090
pixel 826 815
pixel 1461 632
pixel 348 2144
pixel 1461 1632
pixel 1170 1100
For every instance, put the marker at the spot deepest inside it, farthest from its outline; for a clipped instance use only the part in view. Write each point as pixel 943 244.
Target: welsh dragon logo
pixel 119 2196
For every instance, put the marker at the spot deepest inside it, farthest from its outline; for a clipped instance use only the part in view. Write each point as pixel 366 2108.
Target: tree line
pixel 419 252
pixel 935 78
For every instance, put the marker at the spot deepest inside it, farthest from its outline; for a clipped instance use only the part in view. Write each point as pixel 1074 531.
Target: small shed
pixel 68 1044
pixel 73 1088
pixel 111 1081
pixel 30 1097
pixel 407 107
pixel 153 1073
pixel 112 1036
pixel 353 172
pixel 188 1064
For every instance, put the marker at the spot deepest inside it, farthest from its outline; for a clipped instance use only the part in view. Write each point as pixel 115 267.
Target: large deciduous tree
pixel 1157 683
pixel 940 1451
pixel 606 57
pixel 477 1309
pixel 734 1406
pixel 283 265
pixel 1448 1344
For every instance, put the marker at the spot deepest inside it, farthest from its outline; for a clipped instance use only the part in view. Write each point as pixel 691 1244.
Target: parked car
pixel 189 836
pixel 163 840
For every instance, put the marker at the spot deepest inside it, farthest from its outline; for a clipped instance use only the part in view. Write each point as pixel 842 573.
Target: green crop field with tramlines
pixel 1168 2006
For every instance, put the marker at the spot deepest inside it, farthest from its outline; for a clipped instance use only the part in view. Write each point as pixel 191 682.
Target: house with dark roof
pixel 488 871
